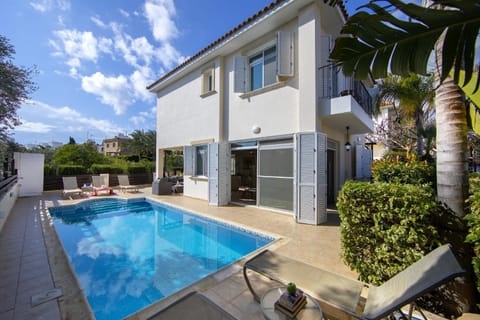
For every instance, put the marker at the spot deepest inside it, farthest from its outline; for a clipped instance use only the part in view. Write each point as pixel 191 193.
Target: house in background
pixel 262 116
pixel 116 146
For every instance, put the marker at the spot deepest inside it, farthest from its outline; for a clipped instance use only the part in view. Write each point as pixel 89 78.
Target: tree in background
pixel 79 154
pixel 143 144
pixel 412 100
pixel 16 86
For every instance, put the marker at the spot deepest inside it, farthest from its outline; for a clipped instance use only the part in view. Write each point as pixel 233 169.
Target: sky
pixel 94 59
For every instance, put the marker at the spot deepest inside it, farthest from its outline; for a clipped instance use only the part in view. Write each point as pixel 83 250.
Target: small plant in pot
pixel 291 288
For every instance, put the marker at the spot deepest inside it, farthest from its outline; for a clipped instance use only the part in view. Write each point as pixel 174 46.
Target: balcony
pixel 344 101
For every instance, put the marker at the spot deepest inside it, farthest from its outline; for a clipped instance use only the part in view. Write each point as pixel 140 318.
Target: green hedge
pixel 70 170
pixel 385 227
pixel 137 168
pixel 410 170
pixel 106 168
pixel 48 170
pixel 473 220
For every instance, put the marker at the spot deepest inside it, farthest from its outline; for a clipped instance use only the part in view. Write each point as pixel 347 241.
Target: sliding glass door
pixel 275 174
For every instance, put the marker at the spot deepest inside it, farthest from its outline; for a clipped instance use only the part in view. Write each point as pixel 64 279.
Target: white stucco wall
pixel 7 201
pixel 183 115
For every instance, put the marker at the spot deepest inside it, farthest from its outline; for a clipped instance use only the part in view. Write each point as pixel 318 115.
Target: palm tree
pixel 143 144
pixel 377 41
pixel 414 95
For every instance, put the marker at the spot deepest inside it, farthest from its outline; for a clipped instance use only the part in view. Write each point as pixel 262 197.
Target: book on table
pixel 291 312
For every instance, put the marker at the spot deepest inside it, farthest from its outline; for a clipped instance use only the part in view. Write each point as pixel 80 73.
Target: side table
pixel 311 310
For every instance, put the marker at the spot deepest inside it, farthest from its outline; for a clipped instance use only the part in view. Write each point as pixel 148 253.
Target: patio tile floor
pixel 32 260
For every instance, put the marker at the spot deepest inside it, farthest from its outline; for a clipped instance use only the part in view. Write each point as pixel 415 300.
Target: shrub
pixel 385 227
pixel 474 182
pixel 473 237
pixel 48 170
pixel 408 170
pixel 106 168
pixel 70 170
pixel 136 168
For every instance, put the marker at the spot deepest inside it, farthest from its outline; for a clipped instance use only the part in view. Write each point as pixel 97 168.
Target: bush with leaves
pixel 473 220
pixel 385 227
pixel 106 168
pixel 70 170
pixel 408 170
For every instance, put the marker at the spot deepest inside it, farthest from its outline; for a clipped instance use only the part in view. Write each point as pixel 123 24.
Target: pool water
pixel 128 254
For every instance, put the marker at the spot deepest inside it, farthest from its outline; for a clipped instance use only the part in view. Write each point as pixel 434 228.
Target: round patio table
pixel 311 310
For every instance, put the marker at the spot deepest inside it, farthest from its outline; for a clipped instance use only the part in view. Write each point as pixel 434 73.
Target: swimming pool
pixel 128 254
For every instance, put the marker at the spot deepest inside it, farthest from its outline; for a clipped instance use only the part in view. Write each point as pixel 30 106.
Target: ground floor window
pixel 201 160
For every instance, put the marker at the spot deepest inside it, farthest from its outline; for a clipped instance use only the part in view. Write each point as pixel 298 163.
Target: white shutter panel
pixel 305 178
pixel 321 178
pixel 240 74
pixel 188 160
pixel 223 174
pixel 285 54
pixel 213 174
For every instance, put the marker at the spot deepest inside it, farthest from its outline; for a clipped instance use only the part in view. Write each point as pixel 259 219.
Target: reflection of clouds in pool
pixel 93 249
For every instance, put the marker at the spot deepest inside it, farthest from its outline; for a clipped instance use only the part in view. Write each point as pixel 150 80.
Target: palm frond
pixel 375 40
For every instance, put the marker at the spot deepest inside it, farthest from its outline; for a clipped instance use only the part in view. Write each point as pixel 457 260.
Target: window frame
pixel 208 82
pixel 204 170
pixel 258 59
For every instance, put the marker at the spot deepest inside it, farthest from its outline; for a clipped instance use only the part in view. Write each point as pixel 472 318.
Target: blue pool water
pixel 128 254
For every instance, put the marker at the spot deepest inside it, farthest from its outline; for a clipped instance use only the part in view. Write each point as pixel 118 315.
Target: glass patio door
pixel 275 174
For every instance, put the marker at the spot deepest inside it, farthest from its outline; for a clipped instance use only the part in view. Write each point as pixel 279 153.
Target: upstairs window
pixel 208 81
pixel 263 68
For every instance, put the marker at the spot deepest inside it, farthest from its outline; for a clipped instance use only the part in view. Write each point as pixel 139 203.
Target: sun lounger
pixel 338 293
pixel 125 185
pixel 194 306
pixel 70 187
pixel 99 186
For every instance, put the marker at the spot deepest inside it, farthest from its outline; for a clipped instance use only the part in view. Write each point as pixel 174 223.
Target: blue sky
pixel 95 58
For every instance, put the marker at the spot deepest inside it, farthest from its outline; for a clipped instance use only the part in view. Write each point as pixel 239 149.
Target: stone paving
pixel 32 260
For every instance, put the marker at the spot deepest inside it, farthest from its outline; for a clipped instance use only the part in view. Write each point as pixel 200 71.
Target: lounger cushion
pixel 433 270
pixel 194 306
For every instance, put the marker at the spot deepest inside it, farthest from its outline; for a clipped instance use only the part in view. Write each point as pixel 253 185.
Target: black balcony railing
pixel 335 84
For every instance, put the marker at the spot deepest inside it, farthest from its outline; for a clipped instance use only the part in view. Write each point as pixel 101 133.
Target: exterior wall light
pixel 256 129
pixel 348 146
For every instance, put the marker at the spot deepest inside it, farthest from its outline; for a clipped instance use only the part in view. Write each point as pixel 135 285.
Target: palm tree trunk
pixel 452 161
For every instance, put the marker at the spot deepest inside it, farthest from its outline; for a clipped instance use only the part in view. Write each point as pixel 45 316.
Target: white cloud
pixel 159 14
pixel 77 46
pixel 48 117
pixel 97 21
pixel 49 5
pixel 34 127
pixel 113 91
pixel 140 79
pixel 143 116
pixel 124 13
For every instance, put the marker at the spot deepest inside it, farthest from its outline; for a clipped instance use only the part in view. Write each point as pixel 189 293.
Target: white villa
pixel 262 116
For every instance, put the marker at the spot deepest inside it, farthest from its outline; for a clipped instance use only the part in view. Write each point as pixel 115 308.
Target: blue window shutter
pixel 213 186
pixel 240 70
pixel 285 52
pixel 188 160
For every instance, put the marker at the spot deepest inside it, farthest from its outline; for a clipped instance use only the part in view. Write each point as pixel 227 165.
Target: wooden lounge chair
pixel 337 293
pixel 194 306
pixel 70 187
pixel 125 185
